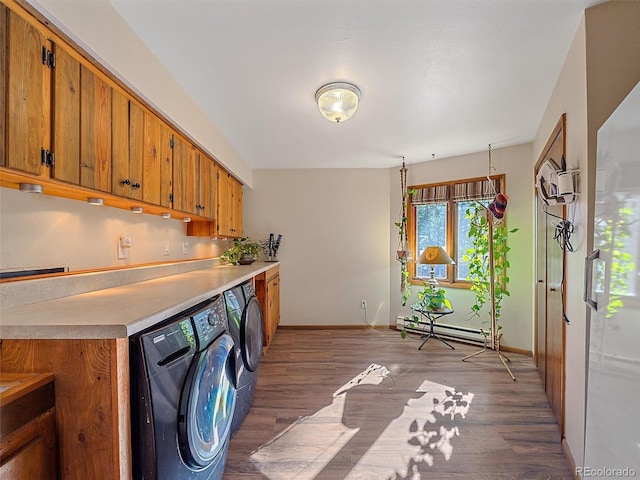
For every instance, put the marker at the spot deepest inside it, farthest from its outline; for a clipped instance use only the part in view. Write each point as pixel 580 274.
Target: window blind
pixel 476 190
pixel 427 195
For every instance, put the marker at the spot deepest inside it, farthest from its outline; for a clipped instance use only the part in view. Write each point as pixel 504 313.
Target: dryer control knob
pixel 211 318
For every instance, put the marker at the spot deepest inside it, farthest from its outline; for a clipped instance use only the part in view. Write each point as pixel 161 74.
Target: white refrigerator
pixel 612 290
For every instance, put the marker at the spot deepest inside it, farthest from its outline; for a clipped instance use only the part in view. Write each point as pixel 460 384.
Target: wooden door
pixel 184 176
pixel 95 131
pixel 166 166
pixel 28 94
pixel 66 117
pixel 4 42
pixel 206 187
pixel 151 177
pixel 136 150
pixel 119 144
pixel 225 207
pixel 550 328
pixel 236 211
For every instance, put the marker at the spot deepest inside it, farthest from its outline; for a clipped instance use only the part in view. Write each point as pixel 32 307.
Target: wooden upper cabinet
pixel 127 161
pixel 66 117
pixel 152 159
pixel 166 166
pixel 28 93
pixel 206 182
pixel 184 176
pixel 120 183
pixel 229 214
pixel 4 42
pixel 95 131
pixel 236 220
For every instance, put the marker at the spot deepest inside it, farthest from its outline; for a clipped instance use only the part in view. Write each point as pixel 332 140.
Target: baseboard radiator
pixel 471 336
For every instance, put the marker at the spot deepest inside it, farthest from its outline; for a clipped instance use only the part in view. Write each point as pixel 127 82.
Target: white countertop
pixel 121 311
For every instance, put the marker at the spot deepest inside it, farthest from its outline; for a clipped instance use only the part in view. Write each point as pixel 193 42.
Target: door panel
pixel 151 155
pixel 549 328
pixel 119 144
pixel 28 96
pixel 66 118
pixel 95 132
pixel 136 150
pixel 166 167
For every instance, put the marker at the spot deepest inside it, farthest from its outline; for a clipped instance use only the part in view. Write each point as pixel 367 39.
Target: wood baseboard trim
pixel 336 327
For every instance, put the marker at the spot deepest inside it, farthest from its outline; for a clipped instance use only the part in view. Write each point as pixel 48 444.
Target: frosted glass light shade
pixel 338 101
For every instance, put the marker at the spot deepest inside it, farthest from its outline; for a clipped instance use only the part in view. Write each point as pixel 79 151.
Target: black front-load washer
pixel 183 395
pixel 245 326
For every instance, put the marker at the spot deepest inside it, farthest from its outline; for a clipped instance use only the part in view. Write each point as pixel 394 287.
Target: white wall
pixel 117 46
pixel 570 97
pixel 40 231
pixel 517 310
pixel 335 248
pixel 600 69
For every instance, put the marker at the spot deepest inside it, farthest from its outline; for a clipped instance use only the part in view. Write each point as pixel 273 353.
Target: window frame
pixel 451 231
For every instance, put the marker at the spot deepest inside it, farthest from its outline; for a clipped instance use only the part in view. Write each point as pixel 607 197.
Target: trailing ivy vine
pixel 478 257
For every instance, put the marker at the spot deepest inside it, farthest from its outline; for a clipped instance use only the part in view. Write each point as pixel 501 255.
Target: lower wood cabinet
pixel 28 427
pixel 92 406
pixel 268 293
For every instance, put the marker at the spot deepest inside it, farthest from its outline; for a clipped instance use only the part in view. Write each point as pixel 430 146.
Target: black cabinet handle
pixel 125 182
pixel 135 185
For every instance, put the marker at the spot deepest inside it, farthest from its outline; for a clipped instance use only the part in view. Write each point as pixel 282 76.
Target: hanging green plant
pixel 478 256
pixel 403 253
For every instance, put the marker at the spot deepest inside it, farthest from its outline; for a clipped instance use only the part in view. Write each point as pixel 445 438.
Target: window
pixel 436 216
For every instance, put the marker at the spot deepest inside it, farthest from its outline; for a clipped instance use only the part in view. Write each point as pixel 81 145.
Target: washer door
pixel 251 334
pixel 207 404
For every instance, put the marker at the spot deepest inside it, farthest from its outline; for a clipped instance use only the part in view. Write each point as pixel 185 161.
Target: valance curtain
pixel 476 190
pixel 483 189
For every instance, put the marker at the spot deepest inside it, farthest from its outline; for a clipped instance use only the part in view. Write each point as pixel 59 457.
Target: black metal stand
pixel 432 316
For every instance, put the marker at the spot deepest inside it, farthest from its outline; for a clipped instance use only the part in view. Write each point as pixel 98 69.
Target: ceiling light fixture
pixel 137 209
pixel 30 187
pixel 338 101
pixel 95 201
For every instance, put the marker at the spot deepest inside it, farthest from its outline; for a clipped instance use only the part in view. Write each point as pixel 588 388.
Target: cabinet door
pixel 66 117
pixel 28 106
pixel 184 176
pixel 224 208
pixel 207 187
pixel 136 150
pixel 120 182
pixel 4 42
pixel 152 159
pixel 236 210
pixel 166 166
pixel 95 131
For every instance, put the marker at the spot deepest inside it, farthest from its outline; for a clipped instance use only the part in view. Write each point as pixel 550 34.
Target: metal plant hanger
pixel 494 213
pixel 403 252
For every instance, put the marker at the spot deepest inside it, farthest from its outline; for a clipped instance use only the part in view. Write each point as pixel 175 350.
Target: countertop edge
pixel 57 329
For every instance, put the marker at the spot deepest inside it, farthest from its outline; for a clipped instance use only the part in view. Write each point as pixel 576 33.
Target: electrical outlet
pixel 166 247
pixel 363 304
pixel 185 248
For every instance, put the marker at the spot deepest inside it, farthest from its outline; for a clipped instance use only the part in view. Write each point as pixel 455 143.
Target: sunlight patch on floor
pixel 424 429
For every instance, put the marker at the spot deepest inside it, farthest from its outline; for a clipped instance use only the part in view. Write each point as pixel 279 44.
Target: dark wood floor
pixel 324 409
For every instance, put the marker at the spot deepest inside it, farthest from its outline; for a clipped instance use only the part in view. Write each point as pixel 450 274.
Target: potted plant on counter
pixel 243 252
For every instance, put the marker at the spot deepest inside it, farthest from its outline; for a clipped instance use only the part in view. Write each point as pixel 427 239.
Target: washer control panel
pixel 210 322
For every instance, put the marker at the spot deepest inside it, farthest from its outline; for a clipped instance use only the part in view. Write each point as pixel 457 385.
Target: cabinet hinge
pixel 48 57
pixel 171 197
pixel 47 158
pixel 171 143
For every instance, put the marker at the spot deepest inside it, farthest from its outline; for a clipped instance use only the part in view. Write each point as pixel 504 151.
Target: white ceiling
pixel 438 77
